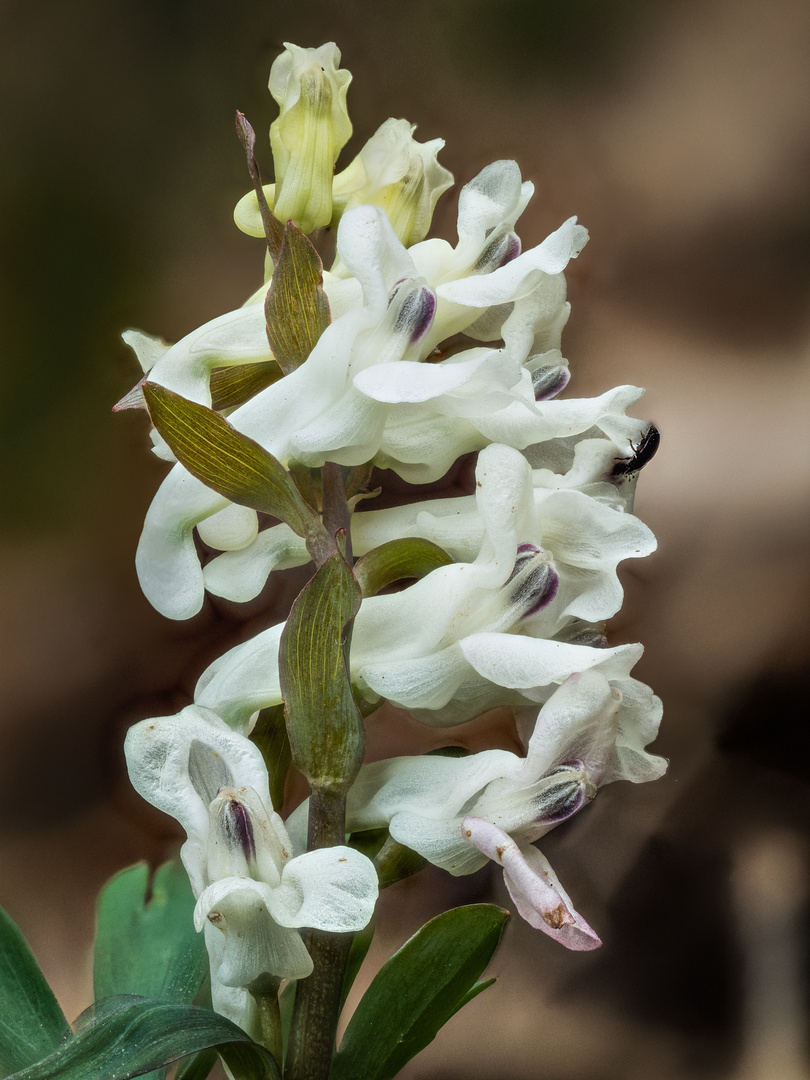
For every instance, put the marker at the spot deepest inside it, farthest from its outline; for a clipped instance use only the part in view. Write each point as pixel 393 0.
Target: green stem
pixel 336 513
pixel 270 1021
pixel 317 998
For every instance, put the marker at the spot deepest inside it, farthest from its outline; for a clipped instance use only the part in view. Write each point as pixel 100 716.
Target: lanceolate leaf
pixel 326 730
pixel 31 1022
pixel 149 947
pixel 417 991
pixel 296 307
pixel 130 1036
pixel 410 557
pixel 361 943
pixel 227 461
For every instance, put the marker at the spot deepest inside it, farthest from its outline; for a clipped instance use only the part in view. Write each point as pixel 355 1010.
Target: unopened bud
pixel 310 132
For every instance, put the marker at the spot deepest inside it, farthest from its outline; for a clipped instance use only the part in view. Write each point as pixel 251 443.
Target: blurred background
pixel 679 133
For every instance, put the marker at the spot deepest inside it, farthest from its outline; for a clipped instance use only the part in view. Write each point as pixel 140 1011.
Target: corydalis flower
pixel 253 892
pixel 470 636
pixel 459 812
pixel 392 171
pixel 365 393
pixel 563 507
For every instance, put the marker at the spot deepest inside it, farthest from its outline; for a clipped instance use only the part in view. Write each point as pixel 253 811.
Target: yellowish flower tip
pixel 312 128
pixel 398 174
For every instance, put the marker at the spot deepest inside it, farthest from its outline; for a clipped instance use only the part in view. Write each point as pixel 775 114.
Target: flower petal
pixel 255 944
pixel 243 680
pixel 331 889
pixel 430 786
pixel 533 886
pixel 241 575
pixel 506 283
pixel 525 663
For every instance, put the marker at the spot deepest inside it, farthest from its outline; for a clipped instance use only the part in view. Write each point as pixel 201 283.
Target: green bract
pixel 326 731
pixel 296 308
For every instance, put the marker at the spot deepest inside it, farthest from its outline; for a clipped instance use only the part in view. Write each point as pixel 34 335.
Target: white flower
pixel 364 392
pixel 473 635
pixel 252 891
pixel 579 464
pixel 459 812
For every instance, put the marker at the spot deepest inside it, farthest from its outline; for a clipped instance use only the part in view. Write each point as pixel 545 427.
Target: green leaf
pixel 148 947
pixel 473 992
pixel 130 1036
pixel 417 991
pixel 409 557
pixel 31 1022
pixel 232 386
pixel 270 735
pixel 196 1066
pixel 227 461
pixel 296 307
pixel 325 727
pixel 361 943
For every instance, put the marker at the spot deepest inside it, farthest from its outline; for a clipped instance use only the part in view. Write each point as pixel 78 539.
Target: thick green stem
pixel 317 998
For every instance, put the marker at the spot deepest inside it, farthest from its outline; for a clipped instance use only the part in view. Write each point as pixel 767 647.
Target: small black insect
pixel 642 454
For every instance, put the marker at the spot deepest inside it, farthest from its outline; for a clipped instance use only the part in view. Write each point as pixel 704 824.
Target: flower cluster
pixel 429 351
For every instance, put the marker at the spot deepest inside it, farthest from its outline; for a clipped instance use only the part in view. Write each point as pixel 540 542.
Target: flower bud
pixel 311 130
pixel 398 174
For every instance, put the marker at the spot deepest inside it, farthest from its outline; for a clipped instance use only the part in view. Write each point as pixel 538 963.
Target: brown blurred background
pixel 680 134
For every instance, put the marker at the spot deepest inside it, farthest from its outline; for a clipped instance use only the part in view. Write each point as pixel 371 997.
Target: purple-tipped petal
pixel 547 382
pixel 415 317
pixel 534 581
pixel 498 251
